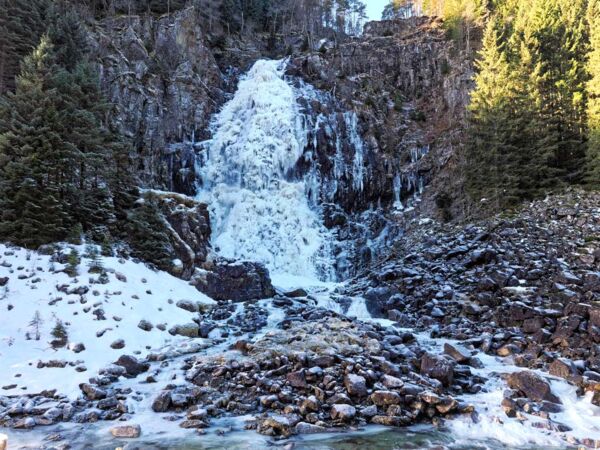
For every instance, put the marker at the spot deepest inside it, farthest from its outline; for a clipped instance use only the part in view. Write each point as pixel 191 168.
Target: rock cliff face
pixel 386 112
pixel 409 87
pixel 386 124
pixel 165 84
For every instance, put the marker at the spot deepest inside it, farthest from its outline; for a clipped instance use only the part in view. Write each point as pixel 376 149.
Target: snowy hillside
pixel 35 294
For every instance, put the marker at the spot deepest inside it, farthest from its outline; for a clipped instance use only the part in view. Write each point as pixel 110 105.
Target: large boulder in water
pixel 239 281
pixel 532 386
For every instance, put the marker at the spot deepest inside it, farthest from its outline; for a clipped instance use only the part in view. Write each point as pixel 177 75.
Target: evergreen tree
pixel 556 36
pixel 22 23
pixel 60 335
pixel 62 167
pixel 72 263
pixel 95 264
pixel 33 156
pixel 593 88
pixel 492 145
pixel 148 235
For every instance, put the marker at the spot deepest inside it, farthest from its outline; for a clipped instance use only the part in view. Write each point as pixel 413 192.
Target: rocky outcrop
pixel 188 225
pixel 409 86
pixel 165 84
pixel 235 280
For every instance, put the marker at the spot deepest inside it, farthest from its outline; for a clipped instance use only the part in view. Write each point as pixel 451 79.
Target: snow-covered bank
pixel 37 294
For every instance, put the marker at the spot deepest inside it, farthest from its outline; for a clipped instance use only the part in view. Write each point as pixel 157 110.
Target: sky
pixel 375 8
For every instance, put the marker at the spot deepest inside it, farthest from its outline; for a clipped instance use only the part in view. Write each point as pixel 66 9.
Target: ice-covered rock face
pixel 258 210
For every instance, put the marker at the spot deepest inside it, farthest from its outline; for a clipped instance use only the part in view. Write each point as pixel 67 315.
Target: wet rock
pixel 307 428
pixel 24 423
pixel 126 431
pixel 563 368
pixel 296 293
pixel 355 385
pixel 132 366
pixel 385 398
pixel 162 402
pixel 237 281
pixel 438 368
pixel 459 354
pixel 278 425
pixel 532 386
pixel 343 412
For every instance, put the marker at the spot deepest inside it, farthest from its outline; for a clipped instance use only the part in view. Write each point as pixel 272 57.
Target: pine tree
pixel 33 156
pixel 148 235
pixel 35 324
pixel 95 264
pixel 593 88
pixel 61 165
pixel 22 23
pixel 60 335
pixel 491 150
pixel 72 263
pixel 555 33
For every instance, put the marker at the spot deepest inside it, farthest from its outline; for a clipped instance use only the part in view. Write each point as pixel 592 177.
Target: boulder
pixel 118 344
pixel 188 330
pixel 343 412
pixel 563 368
pixel 238 281
pixel 92 392
pixel 188 305
pixel 437 367
pixel 532 386
pixel 460 355
pixel 132 366
pixel 145 325
pixel 162 402
pixel 385 398
pixel 297 379
pixel 355 385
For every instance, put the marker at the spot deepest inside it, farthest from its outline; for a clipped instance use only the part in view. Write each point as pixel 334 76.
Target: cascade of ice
pixel 351 120
pixel 258 210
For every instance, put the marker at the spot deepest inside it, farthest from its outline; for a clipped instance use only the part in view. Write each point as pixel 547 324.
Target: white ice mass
pixel 258 211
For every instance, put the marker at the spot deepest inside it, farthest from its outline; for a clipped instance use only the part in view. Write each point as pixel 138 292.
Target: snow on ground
pixel 33 287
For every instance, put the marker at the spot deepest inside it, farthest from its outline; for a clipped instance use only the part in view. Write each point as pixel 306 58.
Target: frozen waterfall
pixel 258 210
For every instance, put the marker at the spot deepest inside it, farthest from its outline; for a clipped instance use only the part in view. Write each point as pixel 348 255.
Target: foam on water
pixel 492 424
pixel 258 211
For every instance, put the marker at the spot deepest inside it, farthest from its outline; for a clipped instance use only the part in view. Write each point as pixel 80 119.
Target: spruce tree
pixel 33 156
pixel 148 234
pixel 593 88
pixel 492 149
pixel 22 23
pixel 556 35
